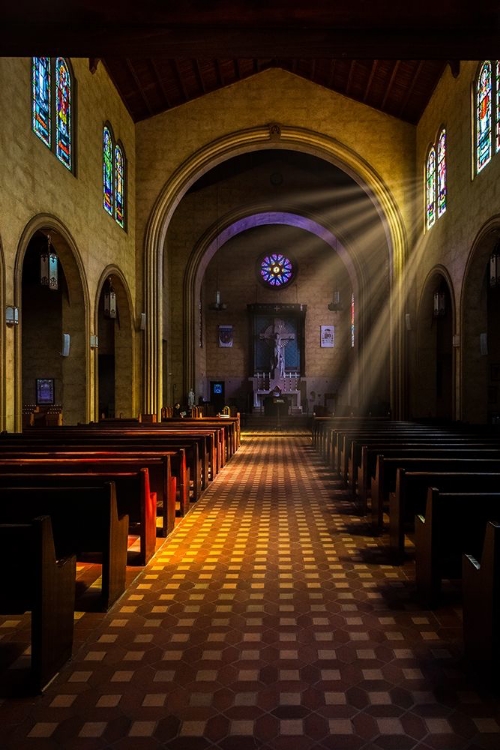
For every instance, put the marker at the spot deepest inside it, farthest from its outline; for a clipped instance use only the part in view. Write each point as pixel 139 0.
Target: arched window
pixel 113 176
pixel 119 185
pixel 107 169
pixel 436 189
pixel 63 112
pixel 52 107
pixel 430 180
pixel 441 173
pixel 483 116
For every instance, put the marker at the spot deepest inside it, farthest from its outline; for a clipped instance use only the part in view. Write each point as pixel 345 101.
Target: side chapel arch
pixel 280 136
pixel 79 392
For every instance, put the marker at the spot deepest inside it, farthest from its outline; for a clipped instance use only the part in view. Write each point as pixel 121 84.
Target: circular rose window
pixel 276 270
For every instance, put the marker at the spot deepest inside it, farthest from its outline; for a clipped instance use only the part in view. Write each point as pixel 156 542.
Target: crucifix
pixel 277 335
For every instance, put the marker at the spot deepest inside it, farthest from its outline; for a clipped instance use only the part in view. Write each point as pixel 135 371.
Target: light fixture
pixel 110 301
pixel 335 306
pixel 439 308
pixel 495 266
pixel 48 266
pixel 11 315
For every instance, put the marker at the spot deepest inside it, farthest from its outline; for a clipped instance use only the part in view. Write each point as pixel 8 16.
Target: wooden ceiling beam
pixel 139 86
pixel 388 89
pixel 119 40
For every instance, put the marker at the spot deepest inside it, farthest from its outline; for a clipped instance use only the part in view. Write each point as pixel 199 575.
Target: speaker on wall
pixel 142 322
pixel 408 321
pixel 66 342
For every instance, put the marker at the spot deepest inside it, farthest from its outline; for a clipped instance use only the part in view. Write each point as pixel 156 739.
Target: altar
pixel 263 386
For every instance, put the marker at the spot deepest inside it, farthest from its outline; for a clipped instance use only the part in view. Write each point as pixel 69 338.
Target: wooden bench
pixel 384 481
pixel 132 492
pixel 454 524
pixel 85 520
pixel 481 609
pixel 365 455
pixel 158 467
pixel 410 498
pixel 37 580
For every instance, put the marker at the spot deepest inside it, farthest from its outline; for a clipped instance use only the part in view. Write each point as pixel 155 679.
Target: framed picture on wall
pixel 45 393
pixel 327 336
pixel 225 336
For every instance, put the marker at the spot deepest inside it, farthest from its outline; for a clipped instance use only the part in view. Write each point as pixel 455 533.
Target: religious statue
pixel 279 355
pixel 278 337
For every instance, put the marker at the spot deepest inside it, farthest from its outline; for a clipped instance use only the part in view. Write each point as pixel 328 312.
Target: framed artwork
pixel 225 336
pixel 45 393
pixel 327 336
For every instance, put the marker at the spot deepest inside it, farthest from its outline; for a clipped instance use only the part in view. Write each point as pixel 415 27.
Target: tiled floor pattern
pixel 269 619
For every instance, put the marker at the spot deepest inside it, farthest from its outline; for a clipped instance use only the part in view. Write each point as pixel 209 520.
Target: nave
pixel 268 619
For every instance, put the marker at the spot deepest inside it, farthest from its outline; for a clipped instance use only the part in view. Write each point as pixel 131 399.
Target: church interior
pixel 260 220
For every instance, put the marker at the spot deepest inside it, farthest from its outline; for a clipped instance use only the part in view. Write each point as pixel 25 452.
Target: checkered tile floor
pixel 269 619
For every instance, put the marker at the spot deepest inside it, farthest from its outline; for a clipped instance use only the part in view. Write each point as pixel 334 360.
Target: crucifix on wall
pixel 277 337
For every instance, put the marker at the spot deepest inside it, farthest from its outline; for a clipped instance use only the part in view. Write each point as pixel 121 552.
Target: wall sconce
pixel 439 305
pixel 335 306
pixel 495 266
pixel 110 301
pixel 48 266
pixel 11 315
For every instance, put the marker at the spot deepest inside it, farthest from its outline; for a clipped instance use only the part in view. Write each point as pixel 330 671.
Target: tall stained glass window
pixel 483 116
pixel 430 177
pixel 119 185
pixel 63 112
pixel 497 106
pixel 353 329
pixel 113 176
pixel 441 173
pixel 40 97
pixel 52 111
pixel 107 170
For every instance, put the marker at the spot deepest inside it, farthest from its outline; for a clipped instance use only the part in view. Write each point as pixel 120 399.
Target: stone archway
pixel 480 304
pixel 40 351
pixel 433 385
pixel 215 153
pixel 114 352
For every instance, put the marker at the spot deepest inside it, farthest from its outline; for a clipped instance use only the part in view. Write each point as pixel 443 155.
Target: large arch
pixel 75 271
pixel 277 136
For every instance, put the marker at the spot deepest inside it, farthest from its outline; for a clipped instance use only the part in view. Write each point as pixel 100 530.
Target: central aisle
pixel 267 620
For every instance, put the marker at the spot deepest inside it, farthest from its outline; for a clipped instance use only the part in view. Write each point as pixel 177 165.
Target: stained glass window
pixel 483 116
pixel 441 173
pixel 52 110
pixel 497 107
pixel 276 270
pixel 63 113
pixel 353 330
pixel 430 176
pixel 41 87
pixel 119 185
pixel 107 170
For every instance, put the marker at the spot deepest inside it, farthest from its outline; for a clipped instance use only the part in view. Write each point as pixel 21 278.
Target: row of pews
pixel 435 491
pixel 77 491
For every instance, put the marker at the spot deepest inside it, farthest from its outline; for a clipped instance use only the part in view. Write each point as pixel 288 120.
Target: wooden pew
pixel 365 453
pixel 454 524
pixel 158 467
pixel 481 609
pixel 384 481
pixel 133 494
pixel 85 520
pixel 37 580
pixel 410 498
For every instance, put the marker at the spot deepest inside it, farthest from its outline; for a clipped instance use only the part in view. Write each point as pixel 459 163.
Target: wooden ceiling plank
pixel 178 78
pixel 218 71
pixel 160 82
pixel 389 87
pixel 411 87
pixel 199 76
pixel 370 80
pixel 139 85
pixel 350 77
